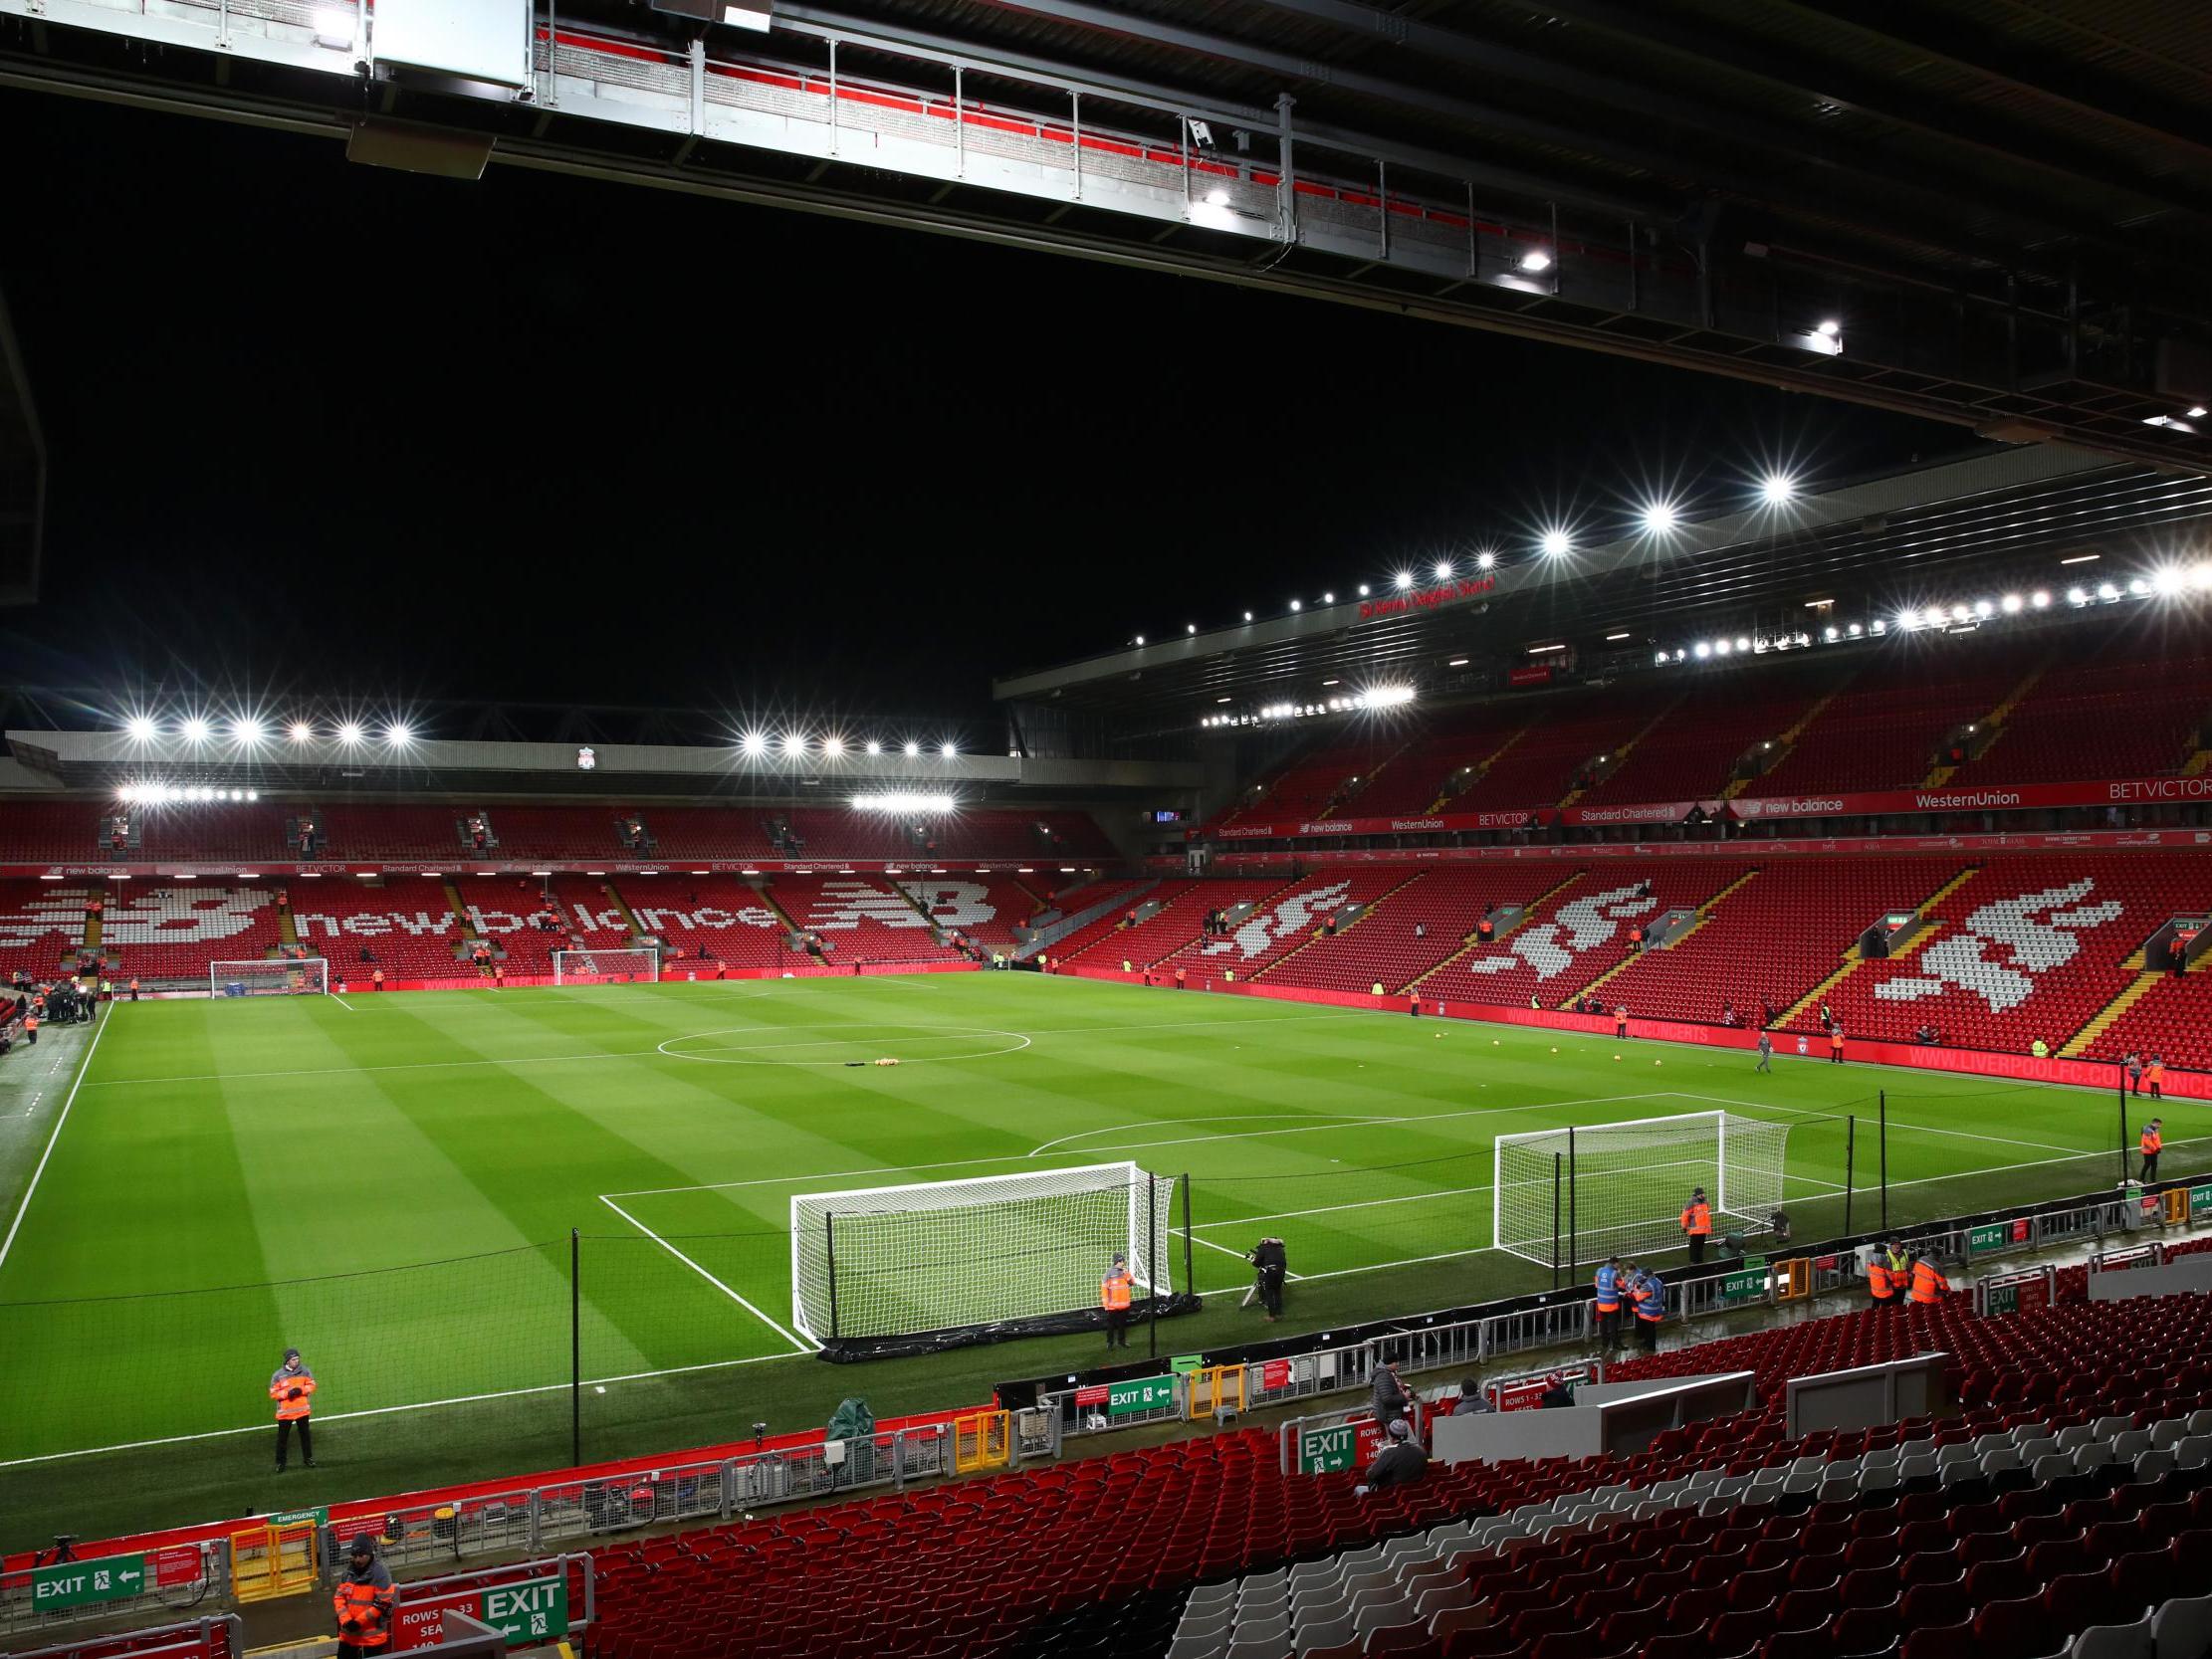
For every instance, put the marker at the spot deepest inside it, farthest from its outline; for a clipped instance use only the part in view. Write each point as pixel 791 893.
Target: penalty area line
pixel 392 1410
pixel 797 1347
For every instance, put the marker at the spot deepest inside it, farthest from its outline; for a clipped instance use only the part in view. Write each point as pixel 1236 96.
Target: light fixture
pixel 1405 580
pixel 2041 599
pixel 874 746
pixel 1852 630
pixel 1247 616
pixel 754 743
pixel 1659 660
pixel 1827 328
pixel 1190 627
pixel 1140 639
pixel 2076 596
pixel 833 746
pixel 1658 519
pixel 1984 609
pixel 1539 650
pixel 300 732
pixel 1444 570
pixel 1217 197
pixel 2197 411
pixel 349 732
pixel 904 800
pixel 1609 638
pixel 1555 542
pixel 141 728
pixel 1297 605
pixel 194 728
pixel 946 751
pixel 1701 650
pixel 2137 586
pixel 912 749
pixel 1535 260
pixel 1328 598
pixel 1220 700
pixel 246 730
pixel 1485 562
pixel 2166 581
pixel 1456 662
pixel 398 736
pixel 1777 487
pixel 2105 590
pixel 1829 633
pixel 1363 590
pixel 2012 604
pixel 2082 558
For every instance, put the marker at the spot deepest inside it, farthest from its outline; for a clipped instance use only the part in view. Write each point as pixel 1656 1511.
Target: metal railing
pixel 24 1608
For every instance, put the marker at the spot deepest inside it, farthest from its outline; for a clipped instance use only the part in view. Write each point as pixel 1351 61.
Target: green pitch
pixel 390 1182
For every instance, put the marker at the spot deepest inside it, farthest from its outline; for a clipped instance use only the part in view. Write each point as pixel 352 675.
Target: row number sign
pixel 528 1611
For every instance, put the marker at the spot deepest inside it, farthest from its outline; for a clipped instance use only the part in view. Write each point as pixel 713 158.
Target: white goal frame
pixel 1745 1189
pixel 315 972
pixel 1150 1198
pixel 586 974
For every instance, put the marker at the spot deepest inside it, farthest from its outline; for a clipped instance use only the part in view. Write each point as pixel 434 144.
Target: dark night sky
pixel 320 429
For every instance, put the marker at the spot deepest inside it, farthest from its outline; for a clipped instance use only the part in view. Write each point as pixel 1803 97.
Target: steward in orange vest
pixel 1882 1284
pixel 1697 1225
pixel 1928 1282
pixel 364 1600
pixel 291 1387
pixel 2153 1143
pixel 1113 1296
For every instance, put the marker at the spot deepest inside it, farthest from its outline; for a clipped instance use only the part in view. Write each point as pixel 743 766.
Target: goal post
pixel 607 967
pixel 889 1270
pixel 270 976
pixel 1576 1194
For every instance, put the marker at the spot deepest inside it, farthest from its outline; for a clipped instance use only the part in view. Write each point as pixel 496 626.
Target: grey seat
pixel 1999 1460
pixel 1333 1634
pixel 2183 1628
pixel 2109 1428
pixel 2193 1451
pixel 2075 1435
pixel 1881 1477
pixel 2030 1450
pixel 2095 1455
pixel 1258 1647
pixel 2167 1435
pixel 1374 1612
pixel 2130 1442
pixel 2153 1466
pixel 1436 1599
pixel 1208 1646
pixel 2057 1466
pixel 2114 1641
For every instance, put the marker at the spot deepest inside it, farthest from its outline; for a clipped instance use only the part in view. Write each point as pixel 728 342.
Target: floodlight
pixel 2196 411
pixel 1659 518
pixel 1852 630
pixel 1829 633
pixel 1535 260
pixel 833 746
pixel 1404 580
pixel 2201 574
pixel 874 747
pixel 1140 639
pixel 1328 598
pixel 1217 197
pixel 2137 586
pixel 1701 650
pixel 912 749
pixel 753 743
pixel 794 743
pixel 349 732
pixel 246 730
pixel 2105 590
pixel 1485 562
pixel 904 800
pixel 1444 570
pixel 2076 596
pixel 1660 658
pixel 398 736
pixel 2167 580
pixel 1983 608
pixel 1742 644
pixel 141 728
pixel 1827 328
pixel 300 732
pixel 1364 591
pixel 1386 697
pixel 2041 599
pixel 1555 542
pixel 1777 487
pixel 1297 604
pixel 2012 604
pixel 1190 627
pixel 947 751
pixel 196 728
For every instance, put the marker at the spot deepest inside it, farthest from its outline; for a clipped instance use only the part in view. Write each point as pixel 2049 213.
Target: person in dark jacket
pixel 1390 1400
pixel 1271 1260
pixel 1401 1463
pixel 365 1601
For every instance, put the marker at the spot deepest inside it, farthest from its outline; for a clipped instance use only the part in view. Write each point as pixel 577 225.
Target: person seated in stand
pixel 2040 1049
pixel 1401 1462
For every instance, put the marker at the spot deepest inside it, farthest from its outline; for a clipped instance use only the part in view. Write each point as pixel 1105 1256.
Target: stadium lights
pixel 1777 487
pixel 1297 605
pixel 1444 570
pixel 1660 659
pixel 1535 260
pixel 912 748
pixel 1385 697
pixel 2041 599
pixel 1328 598
pixel 2105 590
pixel 753 743
pixel 141 727
pixel 1539 650
pixel 904 800
pixel 300 732
pixel 397 736
pixel 1485 562
pixel 1456 662
pixel 1830 634
pixel 1701 650
pixel 1659 519
pixel 2012 604
pixel 874 747
pixel 833 746
pixel 246 730
pixel 2082 558
pixel 1721 648
pixel 1609 638
pixel 1827 328
pixel 1405 580
pixel 2166 581
pixel 350 732
pixel 1190 627
pixel 947 751
pixel 794 743
pixel 194 728
pixel 1364 591
pixel 1555 542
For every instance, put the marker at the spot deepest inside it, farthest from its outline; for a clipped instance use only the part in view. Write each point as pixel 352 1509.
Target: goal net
pixel 903 1269
pixel 270 976
pixel 605 967
pixel 1568 1196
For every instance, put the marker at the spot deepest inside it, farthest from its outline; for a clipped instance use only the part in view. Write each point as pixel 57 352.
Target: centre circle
pixel 850 1045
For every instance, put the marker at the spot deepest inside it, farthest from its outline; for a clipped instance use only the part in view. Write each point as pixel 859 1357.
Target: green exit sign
pixel 84 1583
pixel 2200 1201
pixel 1747 1281
pixel 1994 1235
pixel 1323 1451
pixel 1145 1393
pixel 533 1611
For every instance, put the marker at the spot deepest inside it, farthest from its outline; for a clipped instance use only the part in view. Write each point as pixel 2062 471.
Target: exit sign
pixel 527 1610
pixel 85 1584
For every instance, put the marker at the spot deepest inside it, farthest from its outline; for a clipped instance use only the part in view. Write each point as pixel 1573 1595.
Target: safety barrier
pixel 1215 1391
pixel 220 1637
pixel 982 1440
pixel 150 1583
pixel 275 1558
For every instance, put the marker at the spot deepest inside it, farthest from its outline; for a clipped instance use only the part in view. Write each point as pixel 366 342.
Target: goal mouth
pixel 269 977
pixel 633 965
pixel 884 1272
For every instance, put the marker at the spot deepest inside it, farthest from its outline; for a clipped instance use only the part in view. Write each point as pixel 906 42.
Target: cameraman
pixel 1271 1263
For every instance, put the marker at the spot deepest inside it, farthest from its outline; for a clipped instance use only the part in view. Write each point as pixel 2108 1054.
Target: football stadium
pixel 1454 901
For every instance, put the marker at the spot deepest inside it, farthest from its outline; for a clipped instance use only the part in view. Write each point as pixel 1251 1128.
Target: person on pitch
pixel 1114 1293
pixel 1697 1225
pixel 1270 1261
pixel 293 1388
pixel 364 1600
pixel 1766 1053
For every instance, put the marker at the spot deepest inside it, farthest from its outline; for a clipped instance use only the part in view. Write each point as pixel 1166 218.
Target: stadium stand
pixel 1441 759
pixel 1311 786
pixel 160 931
pixel 500 907
pixel 1446 905
pixel 1179 921
pixel 402 832
pixel 1288 921
pixel 2171 1018
pixel 860 918
pixel 250 832
pixel 1773 940
pixel 1887 728
pixel 1550 757
pixel 1579 933
pixel 708 920
pixel 556 832
pixel 1086 937
pixel 2128 712
pixel 1692 750
pixel 2026 947
pixel 35 832
pixel 982 907
pixel 42 924
pixel 406 925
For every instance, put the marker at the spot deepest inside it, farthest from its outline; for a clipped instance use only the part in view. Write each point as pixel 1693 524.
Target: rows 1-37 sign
pixel 527 1610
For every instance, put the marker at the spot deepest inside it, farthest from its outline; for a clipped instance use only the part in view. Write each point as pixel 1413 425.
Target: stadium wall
pixel 2080 1074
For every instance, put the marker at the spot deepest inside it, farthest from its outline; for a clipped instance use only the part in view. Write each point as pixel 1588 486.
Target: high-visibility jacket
pixel 1835 1040
pixel 2151 1142
pixel 1608 1287
pixel 2155 1074
pixel 1113 1290
pixel 31 1021
pixel 364 1611
pixel 1651 1300
pixel 1880 1284
pixel 285 1386
pixel 1697 1217
pixel 1927 1282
